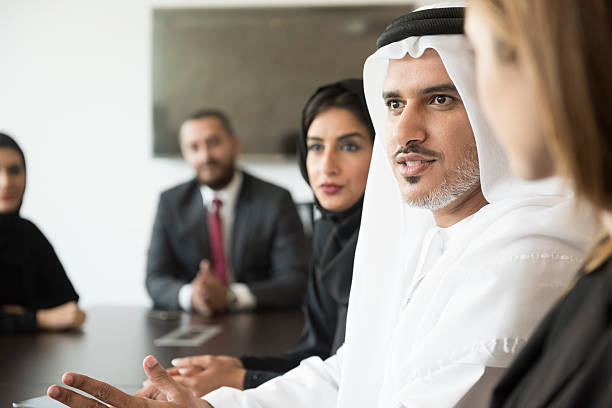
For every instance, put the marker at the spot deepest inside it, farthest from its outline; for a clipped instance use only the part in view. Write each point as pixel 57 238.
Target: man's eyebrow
pixel 449 87
pixel 391 94
pixel 438 88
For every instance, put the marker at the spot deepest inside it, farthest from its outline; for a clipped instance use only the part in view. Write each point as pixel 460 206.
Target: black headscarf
pixel 31 274
pixel 335 238
pixel 7 142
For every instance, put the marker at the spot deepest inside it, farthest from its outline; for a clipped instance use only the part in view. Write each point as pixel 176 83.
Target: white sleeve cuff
pixel 226 397
pixel 184 297
pixel 243 298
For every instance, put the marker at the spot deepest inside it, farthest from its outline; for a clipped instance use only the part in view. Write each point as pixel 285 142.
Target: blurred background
pixel 94 90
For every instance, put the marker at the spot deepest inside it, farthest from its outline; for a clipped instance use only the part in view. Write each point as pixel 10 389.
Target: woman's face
pixel 12 180
pixel 510 102
pixel 338 159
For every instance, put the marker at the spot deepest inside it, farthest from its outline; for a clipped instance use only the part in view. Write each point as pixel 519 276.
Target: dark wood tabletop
pixel 114 340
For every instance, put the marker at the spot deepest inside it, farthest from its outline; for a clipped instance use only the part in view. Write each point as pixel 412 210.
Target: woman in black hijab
pixel 35 292
pixel 334 149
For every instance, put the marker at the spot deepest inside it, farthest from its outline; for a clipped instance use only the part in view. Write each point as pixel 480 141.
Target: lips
pixel 412 165
pixel 330 188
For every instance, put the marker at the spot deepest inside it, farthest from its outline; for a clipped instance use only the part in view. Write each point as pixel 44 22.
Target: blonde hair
pixel 566 48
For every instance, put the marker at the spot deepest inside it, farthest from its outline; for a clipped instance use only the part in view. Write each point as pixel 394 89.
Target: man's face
pixel 209 148
pixel 429 138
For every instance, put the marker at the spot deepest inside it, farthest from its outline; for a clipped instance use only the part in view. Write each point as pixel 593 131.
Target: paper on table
pixel 39 402
pixel 47 402
pixel 188 336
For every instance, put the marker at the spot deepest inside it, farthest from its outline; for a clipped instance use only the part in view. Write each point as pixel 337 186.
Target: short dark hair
pixel 7 142
pixel 212 113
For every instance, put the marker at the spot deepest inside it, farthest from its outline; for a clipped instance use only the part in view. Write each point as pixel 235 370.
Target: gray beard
pixel 456 182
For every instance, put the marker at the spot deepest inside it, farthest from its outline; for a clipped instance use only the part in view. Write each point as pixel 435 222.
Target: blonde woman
pixel 544 82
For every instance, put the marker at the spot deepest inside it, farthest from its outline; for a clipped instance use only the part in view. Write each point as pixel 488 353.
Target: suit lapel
pixel 194 217
pixel 240 229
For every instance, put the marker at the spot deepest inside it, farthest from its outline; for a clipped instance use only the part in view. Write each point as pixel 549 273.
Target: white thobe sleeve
pixel 314 383
pixel 457 385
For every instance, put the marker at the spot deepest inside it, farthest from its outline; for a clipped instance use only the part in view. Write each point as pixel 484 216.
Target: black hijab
pixel 335 238
pixel 10 221
pixel 31 274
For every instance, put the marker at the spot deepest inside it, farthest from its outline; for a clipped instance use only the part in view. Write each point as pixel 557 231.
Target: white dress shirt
pixel 243 297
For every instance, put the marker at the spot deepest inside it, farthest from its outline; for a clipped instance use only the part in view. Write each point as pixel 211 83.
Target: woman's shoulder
pixel 586 305
pixel 594 286
pixel 29 227
pixel 30 233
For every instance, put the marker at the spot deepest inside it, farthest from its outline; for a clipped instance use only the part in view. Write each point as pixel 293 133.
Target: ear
pixel 180 142
pixel 182 151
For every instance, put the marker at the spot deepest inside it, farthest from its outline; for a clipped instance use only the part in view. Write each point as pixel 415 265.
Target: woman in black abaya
pixel 35 293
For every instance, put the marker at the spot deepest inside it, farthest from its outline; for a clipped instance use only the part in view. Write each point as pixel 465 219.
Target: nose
pixel 330 162
pixel 409 127
pixel 203 154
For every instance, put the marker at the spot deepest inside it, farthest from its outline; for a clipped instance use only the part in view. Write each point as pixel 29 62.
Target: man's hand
pixel 215 292
pixel 162 386
pixel 209 293
pixel 66 316
pixel 204 374
pixel 199 295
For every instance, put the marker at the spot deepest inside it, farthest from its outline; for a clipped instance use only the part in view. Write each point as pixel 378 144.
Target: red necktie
pixel 215 235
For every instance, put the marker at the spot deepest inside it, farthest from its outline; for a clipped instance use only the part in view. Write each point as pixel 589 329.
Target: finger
pixel 159 377
pixel 101 390
pixel 148 391
pixel 206 309
pixel 72 399
pixel 79 319
pixel 204 265
pixel 173 371
pixel 188 382
pixel 203 360
pixel 199 278
pixel 179 379
pixel 189 371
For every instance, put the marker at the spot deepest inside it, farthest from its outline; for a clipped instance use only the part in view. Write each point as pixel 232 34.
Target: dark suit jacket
pixel 267 247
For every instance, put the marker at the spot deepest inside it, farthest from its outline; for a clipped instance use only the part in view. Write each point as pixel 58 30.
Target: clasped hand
pixel 209 293
pixel 205 373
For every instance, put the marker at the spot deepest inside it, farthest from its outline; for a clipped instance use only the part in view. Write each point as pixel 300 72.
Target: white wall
pixel 75 92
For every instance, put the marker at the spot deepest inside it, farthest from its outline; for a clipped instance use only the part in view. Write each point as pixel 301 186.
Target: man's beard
pixel 456 182
pixel 223 179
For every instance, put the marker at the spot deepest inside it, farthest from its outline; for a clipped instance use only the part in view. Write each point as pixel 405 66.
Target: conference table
pixel 114 340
